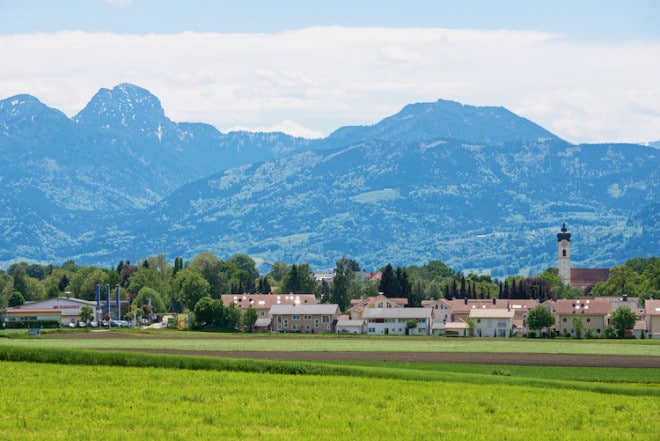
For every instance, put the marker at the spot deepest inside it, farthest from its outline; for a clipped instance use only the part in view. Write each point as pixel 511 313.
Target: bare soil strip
pixel 519 359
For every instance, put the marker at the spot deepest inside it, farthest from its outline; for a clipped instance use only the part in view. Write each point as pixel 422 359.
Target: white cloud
pixel 311 81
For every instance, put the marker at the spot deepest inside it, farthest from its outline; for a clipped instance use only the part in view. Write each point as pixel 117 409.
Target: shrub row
pixel 18 324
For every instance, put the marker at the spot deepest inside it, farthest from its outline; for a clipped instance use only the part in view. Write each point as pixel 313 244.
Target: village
pixel 586 317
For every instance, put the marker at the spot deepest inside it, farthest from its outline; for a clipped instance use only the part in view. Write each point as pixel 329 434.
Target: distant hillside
pixel 477 187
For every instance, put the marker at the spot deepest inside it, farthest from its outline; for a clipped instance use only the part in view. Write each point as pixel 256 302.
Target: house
pixel 591 313
pixel 65 310
pixel 262 302
pixel 346 325
pixel 461 308
pixel 380 301
pixel 304 318
pixel 652 318
pixel 395 321
pixel 442 310
pixel 456 329
pixel 492 322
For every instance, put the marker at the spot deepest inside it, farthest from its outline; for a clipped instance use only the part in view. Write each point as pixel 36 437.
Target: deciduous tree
pixel 540 317
pixel 623 319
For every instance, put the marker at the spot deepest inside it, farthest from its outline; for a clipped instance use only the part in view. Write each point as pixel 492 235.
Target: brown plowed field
pixel 521 359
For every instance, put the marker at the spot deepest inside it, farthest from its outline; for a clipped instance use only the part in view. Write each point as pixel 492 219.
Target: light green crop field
pixel 63 402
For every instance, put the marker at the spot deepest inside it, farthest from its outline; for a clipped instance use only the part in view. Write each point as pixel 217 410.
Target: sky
pixel 586 70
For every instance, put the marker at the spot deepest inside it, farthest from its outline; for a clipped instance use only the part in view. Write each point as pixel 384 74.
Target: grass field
pixel 72 390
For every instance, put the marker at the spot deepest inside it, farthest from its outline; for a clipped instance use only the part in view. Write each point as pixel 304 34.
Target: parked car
pixel 119 323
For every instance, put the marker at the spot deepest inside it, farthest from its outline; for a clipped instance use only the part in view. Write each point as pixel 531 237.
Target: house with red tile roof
pixel 585 315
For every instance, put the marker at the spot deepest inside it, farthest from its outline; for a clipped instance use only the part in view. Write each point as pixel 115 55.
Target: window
pixel 316 323
pixel 307 327
pixel 564 320
pixel 307 317
pixel 563 253
pixel 262 313
pixel 295 327
pixel 286 323
pixel 372 330
pixel 295 317
pixel 588 320
pixel 326 319
pixel 598 331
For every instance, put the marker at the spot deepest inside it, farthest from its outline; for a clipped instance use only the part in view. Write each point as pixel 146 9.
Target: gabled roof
pixel 265 301
pixel 397 313
pixel 588 276
pixel 492 313
pixel 371 302
pixel 582 306
pixel 459 306
pixel 652 307
pixel 324 309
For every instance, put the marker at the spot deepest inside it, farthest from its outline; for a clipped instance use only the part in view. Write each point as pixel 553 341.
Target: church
pixel 584 278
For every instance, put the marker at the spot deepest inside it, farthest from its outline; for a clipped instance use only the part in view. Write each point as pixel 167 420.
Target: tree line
pixel 182 286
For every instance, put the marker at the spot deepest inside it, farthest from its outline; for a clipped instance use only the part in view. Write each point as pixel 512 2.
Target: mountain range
pixel 479 188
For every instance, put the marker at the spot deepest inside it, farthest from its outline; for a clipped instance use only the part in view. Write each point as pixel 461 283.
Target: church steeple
pixel 564 255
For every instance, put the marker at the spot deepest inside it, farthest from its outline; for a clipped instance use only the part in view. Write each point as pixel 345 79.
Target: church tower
pixel 564 255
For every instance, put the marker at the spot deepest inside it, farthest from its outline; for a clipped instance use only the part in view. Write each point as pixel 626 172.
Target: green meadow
pixel 69 388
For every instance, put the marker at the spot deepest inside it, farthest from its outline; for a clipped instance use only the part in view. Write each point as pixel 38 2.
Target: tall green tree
pixel 540 317
pixel 623 319
pixel 344 273
pixel 388 283
pixel 191 287
pixel 250 317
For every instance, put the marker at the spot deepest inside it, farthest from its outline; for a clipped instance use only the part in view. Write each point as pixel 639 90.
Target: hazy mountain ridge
pixel 479 188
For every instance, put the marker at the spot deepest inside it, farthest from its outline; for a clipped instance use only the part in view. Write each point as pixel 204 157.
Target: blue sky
pixel 586 70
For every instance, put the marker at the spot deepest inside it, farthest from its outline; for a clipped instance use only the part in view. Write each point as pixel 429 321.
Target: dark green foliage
pixel 344 275
pixel 388 285
pixel 17 324
pixel 15 299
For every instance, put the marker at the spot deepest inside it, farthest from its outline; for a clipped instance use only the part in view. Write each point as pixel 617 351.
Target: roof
pixel 457 325
pixel 400 313
pixel 652 307
pixel 640 325
pixel 492 313
pixel 324 309
pixel 265 301
pixel 262 323
pixel 57 303
pixel 582 306
pixel 458 305
pixel 370 302
pixel 34 311
pixel 588 276
pixel 346 323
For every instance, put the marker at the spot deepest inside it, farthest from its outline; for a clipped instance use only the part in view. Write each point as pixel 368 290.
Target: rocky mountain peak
pixel 125 106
